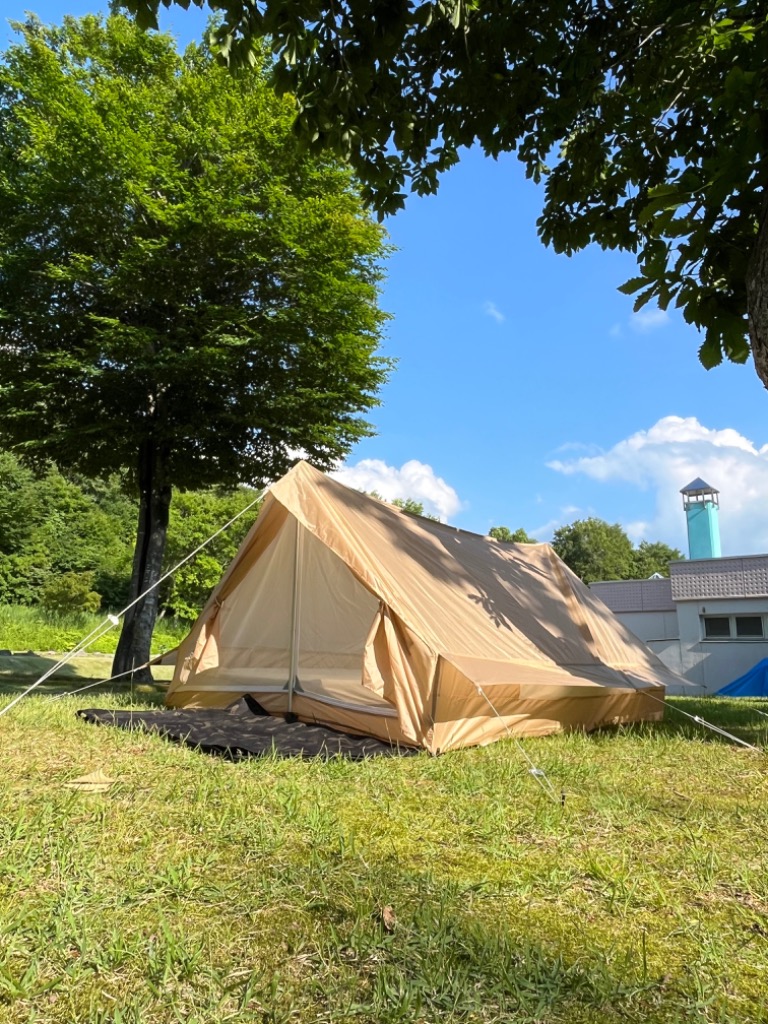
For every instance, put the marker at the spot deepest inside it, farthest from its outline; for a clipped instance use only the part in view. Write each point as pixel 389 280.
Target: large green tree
pixel 646 117
pixel 185 294
pixel 596 550
pixel 652 558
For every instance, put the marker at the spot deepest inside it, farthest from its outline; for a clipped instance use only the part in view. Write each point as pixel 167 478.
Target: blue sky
pixel 527 393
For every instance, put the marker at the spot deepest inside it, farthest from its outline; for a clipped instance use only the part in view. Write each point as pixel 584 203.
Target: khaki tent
pixel 342 610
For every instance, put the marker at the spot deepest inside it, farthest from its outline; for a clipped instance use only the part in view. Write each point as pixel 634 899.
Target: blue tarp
pixel 752 684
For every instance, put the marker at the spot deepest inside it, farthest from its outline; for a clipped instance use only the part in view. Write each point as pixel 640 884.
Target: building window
pixel 717 627
pixel 749 625
pixel 732 627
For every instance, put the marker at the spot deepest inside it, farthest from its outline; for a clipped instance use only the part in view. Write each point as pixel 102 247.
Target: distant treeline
pixel 67 542
pixel 597 550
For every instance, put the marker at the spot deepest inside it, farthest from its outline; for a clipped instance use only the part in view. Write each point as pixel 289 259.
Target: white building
pixel 708 621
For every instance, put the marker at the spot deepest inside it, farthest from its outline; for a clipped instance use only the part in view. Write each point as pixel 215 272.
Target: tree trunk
pixel 133 649
pixel 757 298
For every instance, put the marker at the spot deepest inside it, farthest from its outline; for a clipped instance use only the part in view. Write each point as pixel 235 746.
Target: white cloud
pixel 669 455
pixel 648 320
pixel 638 530
pixel 414 480
pixel 579 446
pixel 491 309
pixel 642 322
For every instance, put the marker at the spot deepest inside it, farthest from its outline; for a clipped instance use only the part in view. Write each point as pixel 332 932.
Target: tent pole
pixel 295 615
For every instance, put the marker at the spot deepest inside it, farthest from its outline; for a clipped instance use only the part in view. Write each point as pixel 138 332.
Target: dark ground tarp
pixel 243 731
pixel 752 684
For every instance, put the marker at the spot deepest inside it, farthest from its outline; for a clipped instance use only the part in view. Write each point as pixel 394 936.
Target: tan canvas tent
pixel 342 610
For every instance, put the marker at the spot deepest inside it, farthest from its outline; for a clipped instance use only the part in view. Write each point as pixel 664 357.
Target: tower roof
pixel 699 486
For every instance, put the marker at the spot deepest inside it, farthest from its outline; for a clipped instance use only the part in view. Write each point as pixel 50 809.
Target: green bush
pixel 55 527
pixel 71 593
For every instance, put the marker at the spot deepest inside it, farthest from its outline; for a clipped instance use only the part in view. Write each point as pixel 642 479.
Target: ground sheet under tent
pixel 244 731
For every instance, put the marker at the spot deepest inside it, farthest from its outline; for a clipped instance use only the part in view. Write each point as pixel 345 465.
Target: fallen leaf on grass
pixel 388 919
pixel 96 782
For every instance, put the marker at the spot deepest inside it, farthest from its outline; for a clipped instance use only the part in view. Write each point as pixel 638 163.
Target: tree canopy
pixel 71 536
pixel 651 557
pixel 186 296
pixel 414 508
pixel 596 550
pixel 50 527
pixel 646 118
pixel 507 536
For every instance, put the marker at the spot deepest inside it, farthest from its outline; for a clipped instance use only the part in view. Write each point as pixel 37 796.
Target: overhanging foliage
pixel 646 119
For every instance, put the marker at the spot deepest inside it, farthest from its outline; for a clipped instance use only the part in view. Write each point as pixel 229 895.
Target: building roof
pixel 698 579
pixel 652 595
pixel 698 486
pixel 713 578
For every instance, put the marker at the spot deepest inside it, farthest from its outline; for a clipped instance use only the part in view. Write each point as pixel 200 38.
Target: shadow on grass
pixel 153 696
pixel 30 666
pixel 448 958
pixel 20 671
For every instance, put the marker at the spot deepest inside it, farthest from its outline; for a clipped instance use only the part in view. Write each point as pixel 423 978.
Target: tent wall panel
pixel 336 612
pixel 469 713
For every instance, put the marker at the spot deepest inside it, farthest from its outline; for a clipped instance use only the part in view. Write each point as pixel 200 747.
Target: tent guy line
pixel 538 774
pixel 101 682
pixel 113 620
pixel 710 725
pixel 96 634
pixel 703 722
pixel 716 728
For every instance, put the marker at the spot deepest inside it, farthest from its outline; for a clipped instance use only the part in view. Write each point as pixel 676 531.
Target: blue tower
pixel 701 512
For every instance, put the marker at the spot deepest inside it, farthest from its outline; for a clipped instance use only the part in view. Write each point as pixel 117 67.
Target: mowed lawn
pixel 412 889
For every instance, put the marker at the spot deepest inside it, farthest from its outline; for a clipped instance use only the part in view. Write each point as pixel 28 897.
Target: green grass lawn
pixel 394 890
pixel 24 628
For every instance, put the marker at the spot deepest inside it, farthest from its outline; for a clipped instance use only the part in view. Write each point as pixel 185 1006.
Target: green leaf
pixel 711 353
pixel 655 143
pixel 632 285
pixel 644 298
